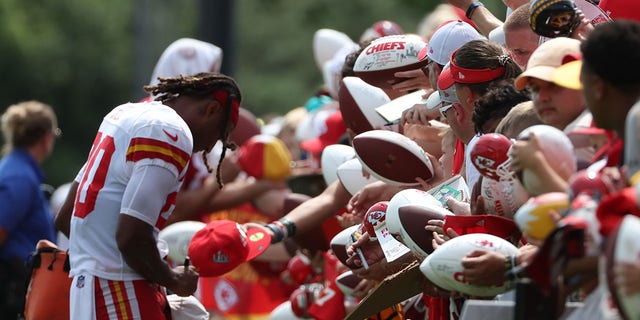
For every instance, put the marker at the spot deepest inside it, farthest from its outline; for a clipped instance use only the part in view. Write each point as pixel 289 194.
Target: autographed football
pixel 351 176
pixel 340 242
pixel 358 101
pixel 332 157
pixel 392 157
pixel 444 267
pixel 557 150
pixel 504 197
pixel 385 56
pixel 407 216
pixel 178 236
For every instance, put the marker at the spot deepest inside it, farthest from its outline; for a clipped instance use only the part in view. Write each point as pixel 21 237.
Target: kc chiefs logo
pixel 484 163
pixel 375 216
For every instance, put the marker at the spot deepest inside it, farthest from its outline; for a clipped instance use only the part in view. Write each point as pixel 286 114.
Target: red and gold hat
pixel 222 245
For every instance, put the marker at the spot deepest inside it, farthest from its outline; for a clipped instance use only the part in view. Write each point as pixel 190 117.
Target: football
pixel 556 148
pixel 504 197
pixel 533 217
pixel 351 176
pixel 392 157
pixel 326 42
pixel 385 56
pixel 347 282
pixel 178 236
pixel 624 247
pixel 332 157
pixel 340 242
pixel 407 215
pixel 444 267
pixel 358 101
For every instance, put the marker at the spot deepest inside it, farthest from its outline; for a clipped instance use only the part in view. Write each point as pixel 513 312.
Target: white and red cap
pixel 450 36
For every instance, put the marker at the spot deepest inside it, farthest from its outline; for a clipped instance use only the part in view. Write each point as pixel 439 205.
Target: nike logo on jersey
pixel 173 137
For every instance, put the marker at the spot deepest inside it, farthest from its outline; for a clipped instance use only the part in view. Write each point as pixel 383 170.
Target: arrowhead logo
pixel 460 75
pixel 173 137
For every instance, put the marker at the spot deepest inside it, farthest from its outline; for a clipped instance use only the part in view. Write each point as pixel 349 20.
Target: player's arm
pixel 141 206
pixel 63 218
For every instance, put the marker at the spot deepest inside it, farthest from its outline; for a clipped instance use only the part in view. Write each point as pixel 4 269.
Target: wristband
pixel 290 226
pixel 472 7
pixel 277 233
pixel 282 227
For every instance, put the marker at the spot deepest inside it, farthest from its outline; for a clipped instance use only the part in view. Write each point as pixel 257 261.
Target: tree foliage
pixel 84 57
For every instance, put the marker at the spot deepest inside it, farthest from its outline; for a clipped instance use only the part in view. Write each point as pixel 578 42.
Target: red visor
pixel 462 75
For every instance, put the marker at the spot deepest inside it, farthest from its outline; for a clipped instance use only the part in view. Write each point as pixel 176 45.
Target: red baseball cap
pixel 333 128
pixel 222 245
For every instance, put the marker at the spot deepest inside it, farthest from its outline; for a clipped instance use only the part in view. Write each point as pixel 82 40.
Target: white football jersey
pixel 131 135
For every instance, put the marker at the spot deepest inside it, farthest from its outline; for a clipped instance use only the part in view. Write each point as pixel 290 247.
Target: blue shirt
pixel 24 210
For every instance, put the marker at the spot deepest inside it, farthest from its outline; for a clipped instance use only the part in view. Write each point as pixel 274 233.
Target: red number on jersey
pixel 94 175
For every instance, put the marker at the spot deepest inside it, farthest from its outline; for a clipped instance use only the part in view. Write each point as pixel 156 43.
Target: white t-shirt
pixel 133 138
pixel 471 173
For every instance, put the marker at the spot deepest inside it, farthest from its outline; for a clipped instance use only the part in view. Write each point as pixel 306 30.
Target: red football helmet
pixel 302 298
pixel 489 156
pixel 593 184
pixel 375 215
pixel 300 269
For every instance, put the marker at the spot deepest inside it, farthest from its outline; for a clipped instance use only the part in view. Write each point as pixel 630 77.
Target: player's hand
pixel 186 281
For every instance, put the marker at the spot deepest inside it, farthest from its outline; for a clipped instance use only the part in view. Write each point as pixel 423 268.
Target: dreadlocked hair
pixel 202 85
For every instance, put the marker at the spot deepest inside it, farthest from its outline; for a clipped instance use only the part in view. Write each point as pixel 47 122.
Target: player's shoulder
pixel 149 121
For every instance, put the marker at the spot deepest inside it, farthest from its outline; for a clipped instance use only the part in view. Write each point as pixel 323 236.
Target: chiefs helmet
pixel 591 183
pixel 554 18
pixel 374 216
pixel 489 156
pixel 300 270
pixel 303 297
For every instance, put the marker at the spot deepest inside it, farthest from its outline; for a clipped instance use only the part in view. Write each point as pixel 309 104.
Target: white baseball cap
pixel 450 36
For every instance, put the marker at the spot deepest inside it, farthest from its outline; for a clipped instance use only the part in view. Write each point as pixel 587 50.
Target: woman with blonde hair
pixel 29 130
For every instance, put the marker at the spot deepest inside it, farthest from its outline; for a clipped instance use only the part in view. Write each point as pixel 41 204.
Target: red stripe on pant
pixel 149 300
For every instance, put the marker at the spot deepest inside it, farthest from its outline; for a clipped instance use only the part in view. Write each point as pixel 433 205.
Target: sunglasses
pixel 444 109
